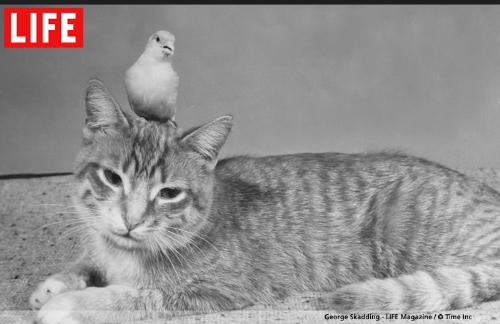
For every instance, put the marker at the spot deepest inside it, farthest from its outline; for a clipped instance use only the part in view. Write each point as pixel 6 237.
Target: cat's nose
pixel 132 225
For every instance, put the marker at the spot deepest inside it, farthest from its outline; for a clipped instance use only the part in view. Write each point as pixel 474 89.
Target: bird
pixel 151 82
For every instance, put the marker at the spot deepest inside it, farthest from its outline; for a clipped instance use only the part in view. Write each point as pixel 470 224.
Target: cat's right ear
pixel 207 140
pixel 103 114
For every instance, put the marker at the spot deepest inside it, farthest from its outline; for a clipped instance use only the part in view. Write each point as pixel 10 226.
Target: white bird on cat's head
pixel 151 82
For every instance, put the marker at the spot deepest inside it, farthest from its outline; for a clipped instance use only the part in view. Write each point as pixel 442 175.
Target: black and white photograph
pixel 249 164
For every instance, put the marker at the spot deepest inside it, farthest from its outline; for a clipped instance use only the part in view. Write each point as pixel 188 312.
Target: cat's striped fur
pixel 373 231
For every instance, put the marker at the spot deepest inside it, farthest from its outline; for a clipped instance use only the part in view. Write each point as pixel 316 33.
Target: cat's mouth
pixel 124 241
pixel 127 235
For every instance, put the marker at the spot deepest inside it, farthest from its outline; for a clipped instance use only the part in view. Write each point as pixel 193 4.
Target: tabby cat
pixel 170 229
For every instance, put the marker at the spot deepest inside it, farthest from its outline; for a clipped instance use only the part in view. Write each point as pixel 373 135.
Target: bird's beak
pixel 169 51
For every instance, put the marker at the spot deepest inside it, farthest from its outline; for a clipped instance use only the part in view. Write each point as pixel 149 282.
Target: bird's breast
pixel 151 85
pixel 151 80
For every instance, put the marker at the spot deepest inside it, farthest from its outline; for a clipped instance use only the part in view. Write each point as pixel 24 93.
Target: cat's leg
pixel 111 304
pixel 119 304
pixel 76 277
pixel 206 298
pixel 440 289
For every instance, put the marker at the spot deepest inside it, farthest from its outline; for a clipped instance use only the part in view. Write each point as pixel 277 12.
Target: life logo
pixel 43 27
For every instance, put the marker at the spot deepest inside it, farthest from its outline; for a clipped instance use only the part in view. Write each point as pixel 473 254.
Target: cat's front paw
pixel 61 309
pixel 112 304
pixel 53 286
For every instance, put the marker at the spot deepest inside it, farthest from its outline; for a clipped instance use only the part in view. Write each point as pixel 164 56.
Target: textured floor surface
pixel 35 242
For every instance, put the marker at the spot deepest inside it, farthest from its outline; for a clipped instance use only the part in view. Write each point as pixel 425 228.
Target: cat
pixel 172 229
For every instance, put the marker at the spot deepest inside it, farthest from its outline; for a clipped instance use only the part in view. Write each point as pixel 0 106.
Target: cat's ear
pixel 208 139
pixel 103 114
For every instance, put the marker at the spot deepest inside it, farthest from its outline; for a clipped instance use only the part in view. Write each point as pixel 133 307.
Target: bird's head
pixel 161 44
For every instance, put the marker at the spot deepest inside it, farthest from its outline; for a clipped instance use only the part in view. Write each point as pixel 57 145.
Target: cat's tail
pixel 434 290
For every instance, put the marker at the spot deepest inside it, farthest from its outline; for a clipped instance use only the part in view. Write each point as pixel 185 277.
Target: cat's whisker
pixel 62 222
pixel 75 227
pixel 86 237
pixel 73 218
pixel 46 205
pixel 190 241
pixel 63 214
pixel 164 242
pixel 173 250
pixel 79 223
pixel 55 209
pixel 62 208
pixel 60 212
pixel 76 234
pixel 195 235
pixel 74 231
pixel 176 251
pixel 68 211
pixel 159 244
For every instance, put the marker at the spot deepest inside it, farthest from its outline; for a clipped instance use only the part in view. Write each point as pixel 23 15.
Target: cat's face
pixel 143 186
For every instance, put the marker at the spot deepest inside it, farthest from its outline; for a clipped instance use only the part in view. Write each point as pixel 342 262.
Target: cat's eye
pixel 170 193
pixel 112 177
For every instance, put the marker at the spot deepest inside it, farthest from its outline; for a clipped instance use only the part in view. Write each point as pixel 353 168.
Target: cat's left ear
pixel 208 139
pixel 103 114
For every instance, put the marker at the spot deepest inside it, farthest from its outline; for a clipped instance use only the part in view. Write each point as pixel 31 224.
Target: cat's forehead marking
pixel 150 142
pixel 126 180
pixel 129 168
pixel 157 175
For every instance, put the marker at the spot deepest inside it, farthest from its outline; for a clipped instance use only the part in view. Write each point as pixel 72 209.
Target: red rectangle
pixel 43 27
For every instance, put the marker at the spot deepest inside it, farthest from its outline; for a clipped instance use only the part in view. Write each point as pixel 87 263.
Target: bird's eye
pixel 112 177
pixel 170 193
pixel 157 38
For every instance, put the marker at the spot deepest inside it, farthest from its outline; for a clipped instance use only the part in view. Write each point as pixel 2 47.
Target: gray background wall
pixel 424 79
